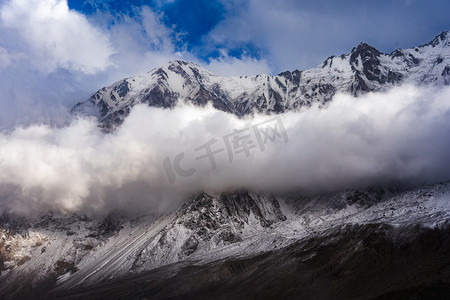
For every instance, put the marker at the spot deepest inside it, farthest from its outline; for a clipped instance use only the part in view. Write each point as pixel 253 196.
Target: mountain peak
pixel 362 70
pixel 368 54
pixel 365 49
pixel 181 63
pixel 442 38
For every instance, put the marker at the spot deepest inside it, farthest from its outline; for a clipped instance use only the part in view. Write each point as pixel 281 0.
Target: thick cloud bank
pixel 158 157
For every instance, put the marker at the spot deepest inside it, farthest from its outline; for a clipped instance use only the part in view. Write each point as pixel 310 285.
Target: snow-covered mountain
pixel 351 244
pixel 77 249
pixel 65 254
pixel 362 70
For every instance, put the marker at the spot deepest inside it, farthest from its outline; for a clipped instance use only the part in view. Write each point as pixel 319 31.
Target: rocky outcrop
pixel 208 221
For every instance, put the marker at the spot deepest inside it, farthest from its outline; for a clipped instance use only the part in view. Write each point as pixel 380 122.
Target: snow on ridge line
pixel 363 69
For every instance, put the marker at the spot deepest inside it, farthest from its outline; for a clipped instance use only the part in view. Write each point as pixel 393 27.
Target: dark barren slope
pixel 373 261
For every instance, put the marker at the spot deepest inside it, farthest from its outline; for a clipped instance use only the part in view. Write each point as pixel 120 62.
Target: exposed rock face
pixel 208 221
pixel 362 70
pixel 345 262
pixel 39 251
pixel 72 246
pixel 228 243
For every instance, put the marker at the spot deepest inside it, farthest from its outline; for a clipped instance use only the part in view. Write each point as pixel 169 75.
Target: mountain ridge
pixel 290 245
pixel 363 70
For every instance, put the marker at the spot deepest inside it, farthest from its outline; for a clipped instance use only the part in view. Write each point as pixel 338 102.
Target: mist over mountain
pixel 348 123
pixel 179 183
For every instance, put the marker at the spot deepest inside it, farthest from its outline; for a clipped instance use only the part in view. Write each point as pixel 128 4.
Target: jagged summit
pixel 441 39
pixel 364 48
pixel 362 70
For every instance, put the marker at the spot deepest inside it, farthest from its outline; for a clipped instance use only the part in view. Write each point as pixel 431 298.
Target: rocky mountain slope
pixel 65 254
pixel 362 70
pixel 370 261
pixel 352 244
pixel 77 250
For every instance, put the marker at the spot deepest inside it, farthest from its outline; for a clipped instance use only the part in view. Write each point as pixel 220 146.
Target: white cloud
pixel 56 36
pixel 52 57
pixel 398 137
pixel 158 34
pixel 302 34
pixel 5 58
pixel 226 65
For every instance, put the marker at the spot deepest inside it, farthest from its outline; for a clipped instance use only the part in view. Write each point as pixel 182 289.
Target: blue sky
pixel 54 53
pixel 307 31
pixel 194 18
